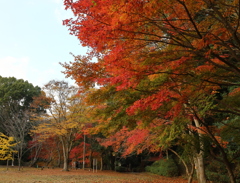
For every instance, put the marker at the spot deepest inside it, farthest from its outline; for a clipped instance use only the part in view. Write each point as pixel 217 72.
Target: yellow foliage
pixel 64 120
pixel 6 143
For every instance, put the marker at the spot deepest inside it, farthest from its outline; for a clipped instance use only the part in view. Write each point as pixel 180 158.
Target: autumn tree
pixel 38 108
pixel 176 53
pixel 45 152
pixel 64 117
pixel 16 96
pixel 6 147
pixel 19 127
pixel 145 129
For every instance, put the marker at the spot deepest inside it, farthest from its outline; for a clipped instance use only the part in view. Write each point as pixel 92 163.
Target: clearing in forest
pixel 36 175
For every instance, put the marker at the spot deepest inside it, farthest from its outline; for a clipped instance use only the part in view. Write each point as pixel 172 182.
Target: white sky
pixel 33 40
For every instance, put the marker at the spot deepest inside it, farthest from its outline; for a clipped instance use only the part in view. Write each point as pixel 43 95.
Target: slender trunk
pixel 190 178
pixel 84 150
pixel 33 161
pixel 189 172
pixel 7 164
pixel 13 161
pixel 59 155
pixel 19 164
pixel 230 172
pixel 198 156
pixel 91 158
pixel 65 154
pixel 101 167
pixel 227 165
pixel 35 158
pixel 49 161
pixel 19 160
pixel 224 156
pixel 96 164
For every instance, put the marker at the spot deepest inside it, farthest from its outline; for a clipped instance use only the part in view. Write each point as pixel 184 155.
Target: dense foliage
pixel 165 79
pixel 16 97
pixel 168 73
pixel 164 167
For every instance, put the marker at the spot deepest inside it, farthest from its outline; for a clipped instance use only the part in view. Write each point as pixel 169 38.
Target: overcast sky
pixel 33 40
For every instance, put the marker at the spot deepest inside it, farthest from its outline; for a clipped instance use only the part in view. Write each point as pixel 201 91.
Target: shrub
pixel 216 172
pixel 121 169
pixel 164 167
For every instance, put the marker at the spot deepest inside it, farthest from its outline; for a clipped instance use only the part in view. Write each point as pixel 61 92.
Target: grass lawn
pixel 36 175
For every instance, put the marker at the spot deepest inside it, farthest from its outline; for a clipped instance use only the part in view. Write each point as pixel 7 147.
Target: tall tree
pixel 16 96
pixel 17 90
pixel 177 53
pixel 65 116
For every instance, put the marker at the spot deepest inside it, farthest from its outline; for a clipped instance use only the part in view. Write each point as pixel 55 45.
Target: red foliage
pixel 45 150
pixel 174 53
pixel 131 141
pixel 136 39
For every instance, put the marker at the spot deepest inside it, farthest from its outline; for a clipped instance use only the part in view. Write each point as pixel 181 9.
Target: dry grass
pixel 34 175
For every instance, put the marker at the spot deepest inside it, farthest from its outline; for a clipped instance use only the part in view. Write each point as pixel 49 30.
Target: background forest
pixel 160 84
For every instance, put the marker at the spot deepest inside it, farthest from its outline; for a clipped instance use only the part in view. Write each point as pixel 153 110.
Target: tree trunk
pixel 91 158
pixel 59 155
pixel 84 151
pixel 225 158
pixel 200 169
pixel 198 156
pixel 190 178
pixel 101 166
pixel 19 161
pixel 228 165
pixel 65 155
pixel 230 174
pixel 188 172
pixel 13 160
pixel 65 160
pixel 7 164
pixel 35 158
pixel 65 163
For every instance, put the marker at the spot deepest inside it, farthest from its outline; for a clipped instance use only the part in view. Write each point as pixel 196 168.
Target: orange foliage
pixel 131 141
pixel 172 53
